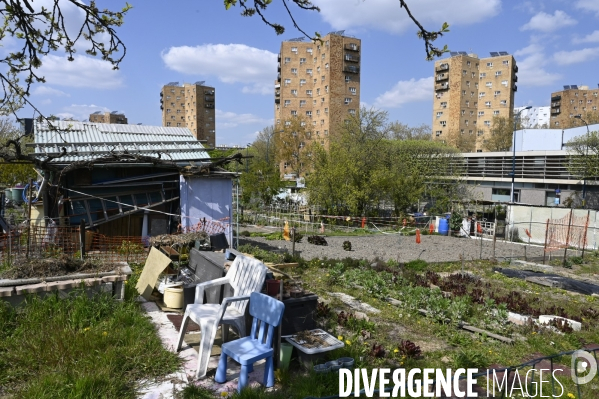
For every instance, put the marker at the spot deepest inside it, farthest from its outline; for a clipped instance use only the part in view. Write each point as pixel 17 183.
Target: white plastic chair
pixel 245 276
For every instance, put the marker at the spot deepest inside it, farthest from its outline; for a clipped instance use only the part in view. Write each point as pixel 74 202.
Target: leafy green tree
pixel 350 174
pixel 583 154
pixel 501 134
pixel 262 181
pixel 416 168
pixel 12 174
pixel 293 146
pixel 464 142
pixel 401 131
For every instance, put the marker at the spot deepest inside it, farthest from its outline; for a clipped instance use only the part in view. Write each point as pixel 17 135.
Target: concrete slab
pixel 354 303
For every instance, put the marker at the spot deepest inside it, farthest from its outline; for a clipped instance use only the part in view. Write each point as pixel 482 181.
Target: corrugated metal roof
pixel 86 141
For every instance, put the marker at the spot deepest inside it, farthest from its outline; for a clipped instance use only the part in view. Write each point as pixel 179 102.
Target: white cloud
pixel 588 5
pixel 576 56
pixel 49 91
pixel 230 63
pixel 530 67
pixel 228 120
pixel 590 38
pixel 82 72
pixel 548 23
pixel 386 15
pixel 80 112
pixel 406 91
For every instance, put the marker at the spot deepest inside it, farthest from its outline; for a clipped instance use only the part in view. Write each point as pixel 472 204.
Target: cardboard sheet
pixel 155 264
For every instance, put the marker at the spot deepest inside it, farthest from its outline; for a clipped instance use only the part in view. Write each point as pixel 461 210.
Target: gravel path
pixel 404 249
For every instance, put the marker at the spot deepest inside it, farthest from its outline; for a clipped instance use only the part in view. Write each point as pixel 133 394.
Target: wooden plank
pixel 470 328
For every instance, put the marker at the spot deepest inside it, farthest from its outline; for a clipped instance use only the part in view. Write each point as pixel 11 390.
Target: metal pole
pixel 545 245
pixel 29 217
pixel 584 183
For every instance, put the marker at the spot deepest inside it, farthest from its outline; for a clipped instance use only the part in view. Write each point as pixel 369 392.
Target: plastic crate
pixel 299 314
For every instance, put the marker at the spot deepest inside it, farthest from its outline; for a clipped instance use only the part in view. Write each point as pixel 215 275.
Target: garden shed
pixel 128 180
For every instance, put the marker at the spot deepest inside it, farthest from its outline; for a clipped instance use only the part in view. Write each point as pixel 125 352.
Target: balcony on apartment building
pixel 556 104
pixel 515 68
pixel 442 76
pixel 352 47
pixel 442 67
pixel 209 105
pixel 555 111
pixel 442 86
pixel 556 98
pixel 351 69
pixel 352 58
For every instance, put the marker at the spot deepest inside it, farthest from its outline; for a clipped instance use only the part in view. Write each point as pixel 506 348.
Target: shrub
pixel 347 245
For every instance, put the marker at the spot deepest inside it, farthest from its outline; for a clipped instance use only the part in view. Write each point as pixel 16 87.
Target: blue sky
pixel 555 43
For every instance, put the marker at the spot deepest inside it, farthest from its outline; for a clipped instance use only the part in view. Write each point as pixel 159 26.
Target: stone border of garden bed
pixel 15 291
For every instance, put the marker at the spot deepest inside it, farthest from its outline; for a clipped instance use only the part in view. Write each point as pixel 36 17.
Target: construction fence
pixel 553 227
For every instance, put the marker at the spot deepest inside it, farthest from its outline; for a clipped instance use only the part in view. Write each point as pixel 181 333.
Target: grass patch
pixel 79 347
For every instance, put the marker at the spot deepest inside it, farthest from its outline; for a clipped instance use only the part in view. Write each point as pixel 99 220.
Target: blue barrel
pixel 443 226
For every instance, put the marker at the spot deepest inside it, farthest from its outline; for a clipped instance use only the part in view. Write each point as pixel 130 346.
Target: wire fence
pixel 52 241
pixel 314 223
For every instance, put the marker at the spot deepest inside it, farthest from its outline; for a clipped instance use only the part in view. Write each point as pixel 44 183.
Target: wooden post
pixel 29 217
pixel 494 237
pixel 481 240
pixel 567 237
pixel 545 245
pixel 82 238
pixel 586 229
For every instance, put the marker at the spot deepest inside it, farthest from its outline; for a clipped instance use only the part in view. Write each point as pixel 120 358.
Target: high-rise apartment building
pixel 320 82
pixel 533 118
pixel 469 92
pixel 190 105
pixel 573 100
pixel 108 117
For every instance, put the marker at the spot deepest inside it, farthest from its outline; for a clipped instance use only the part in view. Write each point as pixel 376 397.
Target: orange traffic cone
pixel 417 236
pixel 431 228
pixel 479 228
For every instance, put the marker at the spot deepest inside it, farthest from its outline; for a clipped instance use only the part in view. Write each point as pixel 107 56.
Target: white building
pixel 535 117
